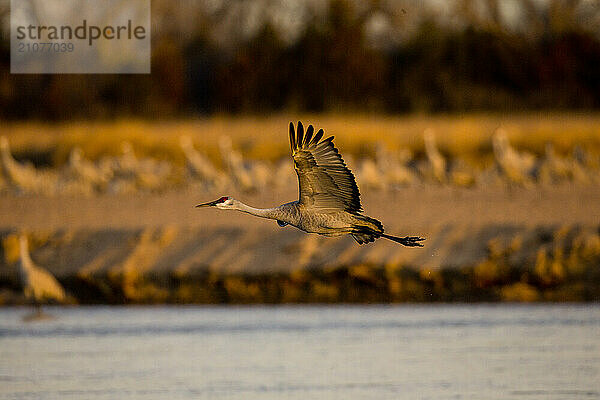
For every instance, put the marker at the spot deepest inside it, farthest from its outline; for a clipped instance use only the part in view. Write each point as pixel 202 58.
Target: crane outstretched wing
pixel 324 180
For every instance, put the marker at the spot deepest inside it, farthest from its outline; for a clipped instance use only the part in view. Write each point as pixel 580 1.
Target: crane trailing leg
pixel 368 229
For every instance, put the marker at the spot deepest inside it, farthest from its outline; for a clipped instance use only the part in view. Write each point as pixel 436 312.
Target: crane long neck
pixel 24 253
pixel 259 212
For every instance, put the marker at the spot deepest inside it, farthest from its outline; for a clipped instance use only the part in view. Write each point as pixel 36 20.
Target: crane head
pixel 224 203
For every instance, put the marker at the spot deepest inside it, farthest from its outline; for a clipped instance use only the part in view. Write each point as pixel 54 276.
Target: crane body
pixel 38 284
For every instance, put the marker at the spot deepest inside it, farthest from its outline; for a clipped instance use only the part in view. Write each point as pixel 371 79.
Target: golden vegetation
pixel 467 137
pixel 251 153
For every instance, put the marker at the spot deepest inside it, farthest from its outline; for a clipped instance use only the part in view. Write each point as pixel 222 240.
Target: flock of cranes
pixel 387 170
pixel 123 173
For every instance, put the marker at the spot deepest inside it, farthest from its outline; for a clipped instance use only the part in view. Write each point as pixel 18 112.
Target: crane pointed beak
pixel 209 204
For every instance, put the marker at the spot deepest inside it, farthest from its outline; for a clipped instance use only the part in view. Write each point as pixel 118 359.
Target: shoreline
pixel 482 245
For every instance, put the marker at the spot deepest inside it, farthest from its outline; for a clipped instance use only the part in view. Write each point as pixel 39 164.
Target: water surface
pixel 339 352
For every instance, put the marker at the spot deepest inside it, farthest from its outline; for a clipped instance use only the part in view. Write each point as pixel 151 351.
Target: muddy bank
pixel 260 265
pixel 481 246
pixel 227 265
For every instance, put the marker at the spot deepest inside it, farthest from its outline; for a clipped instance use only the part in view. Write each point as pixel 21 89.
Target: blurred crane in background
pixel 437 162
pixel 200 166
pixel 39 285
pixel 86 172
pixel 248 176
pixel 518 167
pixel 24 177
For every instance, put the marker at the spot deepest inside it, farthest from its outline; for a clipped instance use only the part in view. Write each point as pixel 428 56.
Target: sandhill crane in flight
pixel 329 202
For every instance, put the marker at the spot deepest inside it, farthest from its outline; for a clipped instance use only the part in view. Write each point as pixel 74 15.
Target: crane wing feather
pixel 324 180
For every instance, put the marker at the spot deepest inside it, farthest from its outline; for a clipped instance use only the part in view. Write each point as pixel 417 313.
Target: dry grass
pixel 465 136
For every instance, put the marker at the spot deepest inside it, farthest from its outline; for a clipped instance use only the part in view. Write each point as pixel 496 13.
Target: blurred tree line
pixel 394 56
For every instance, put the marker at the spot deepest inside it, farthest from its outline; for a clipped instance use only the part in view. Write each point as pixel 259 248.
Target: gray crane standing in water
pixel 39 285
pixel 329 202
